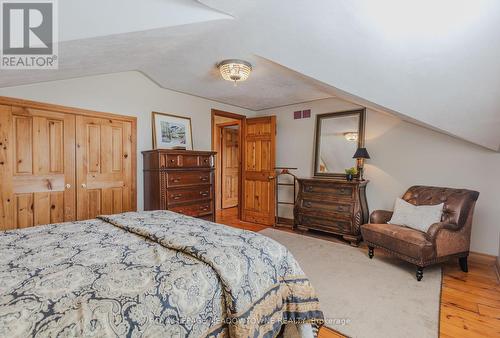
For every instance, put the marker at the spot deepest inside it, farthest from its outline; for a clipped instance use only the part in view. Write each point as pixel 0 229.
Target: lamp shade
pixel 361 153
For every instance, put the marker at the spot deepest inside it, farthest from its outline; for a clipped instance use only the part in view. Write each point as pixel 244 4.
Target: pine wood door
pixel 37 167
pixel 104 166
pixel 259 189
pixel 230 167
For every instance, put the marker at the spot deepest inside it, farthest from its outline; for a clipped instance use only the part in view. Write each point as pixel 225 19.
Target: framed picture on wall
pixel 171 132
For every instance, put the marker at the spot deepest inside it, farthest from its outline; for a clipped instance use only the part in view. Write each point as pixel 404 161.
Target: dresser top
pixel 180 152
pixel 332 180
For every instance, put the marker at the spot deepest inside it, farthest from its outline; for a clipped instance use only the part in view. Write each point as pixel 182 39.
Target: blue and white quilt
pixel 150 274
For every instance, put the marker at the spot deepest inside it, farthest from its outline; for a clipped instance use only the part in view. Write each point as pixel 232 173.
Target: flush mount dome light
pixel 235 70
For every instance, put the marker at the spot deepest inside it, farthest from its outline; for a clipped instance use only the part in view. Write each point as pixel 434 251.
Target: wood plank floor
pixel 470 302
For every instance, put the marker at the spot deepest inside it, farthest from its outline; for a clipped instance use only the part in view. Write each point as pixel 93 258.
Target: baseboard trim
pixel 483 254
pixel 495 258
pixel 283 220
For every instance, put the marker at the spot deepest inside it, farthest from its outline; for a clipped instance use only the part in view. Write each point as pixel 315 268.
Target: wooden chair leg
pixel 463 264
pixel 370 251
pixel 420 273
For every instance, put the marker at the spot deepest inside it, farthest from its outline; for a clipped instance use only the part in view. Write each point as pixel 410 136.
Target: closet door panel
pixel 37 171
pixel 23 211
pixel 57 207
pixel 104 166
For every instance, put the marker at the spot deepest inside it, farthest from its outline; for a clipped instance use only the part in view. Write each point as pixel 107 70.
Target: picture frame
pixel 171 131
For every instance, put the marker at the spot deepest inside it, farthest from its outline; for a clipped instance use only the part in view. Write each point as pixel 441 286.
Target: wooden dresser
pixel 181 181
pixel 332 205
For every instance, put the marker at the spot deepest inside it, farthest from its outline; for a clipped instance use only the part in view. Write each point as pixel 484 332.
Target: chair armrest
pixel 380 216
pixel 436 227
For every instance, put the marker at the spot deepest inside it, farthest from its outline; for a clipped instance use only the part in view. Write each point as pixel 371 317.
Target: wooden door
pixel 259 189
pixel 104 166
pixel 37 167
pixel 230 167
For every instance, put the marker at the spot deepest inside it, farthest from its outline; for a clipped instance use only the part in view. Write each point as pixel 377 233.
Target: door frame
pixel 241 122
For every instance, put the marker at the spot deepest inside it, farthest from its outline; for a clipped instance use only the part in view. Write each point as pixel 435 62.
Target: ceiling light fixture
pixel 235 70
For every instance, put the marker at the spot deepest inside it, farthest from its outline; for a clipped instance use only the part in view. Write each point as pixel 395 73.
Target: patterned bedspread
pixel 149 274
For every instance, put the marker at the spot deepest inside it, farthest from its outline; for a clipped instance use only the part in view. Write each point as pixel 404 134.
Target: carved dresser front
pixel 181 181
pixel 332 205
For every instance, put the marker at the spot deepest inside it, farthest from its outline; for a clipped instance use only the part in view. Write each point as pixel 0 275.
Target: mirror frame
pixel 361 138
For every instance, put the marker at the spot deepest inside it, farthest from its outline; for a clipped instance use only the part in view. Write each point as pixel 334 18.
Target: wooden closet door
pixel 230 167
pixel 104 166
pixel 37 167
pixel 259 188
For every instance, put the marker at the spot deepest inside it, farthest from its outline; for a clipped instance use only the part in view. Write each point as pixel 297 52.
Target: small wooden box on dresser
pixel 181 181
pixel 332 205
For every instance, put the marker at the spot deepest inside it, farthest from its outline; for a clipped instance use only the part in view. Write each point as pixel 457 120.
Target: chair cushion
pixel 399 239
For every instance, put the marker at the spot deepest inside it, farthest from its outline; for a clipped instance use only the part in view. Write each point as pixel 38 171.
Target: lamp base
pixel 360 174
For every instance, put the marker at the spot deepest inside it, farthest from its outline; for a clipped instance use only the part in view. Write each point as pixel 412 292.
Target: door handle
pixel 68 186
pixel 271 177
pixel 84 185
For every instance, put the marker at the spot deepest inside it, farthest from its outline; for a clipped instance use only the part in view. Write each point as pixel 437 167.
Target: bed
pixel 151 274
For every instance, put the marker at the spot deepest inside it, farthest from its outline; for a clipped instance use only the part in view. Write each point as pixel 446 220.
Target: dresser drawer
pixel 195 210
pixel 329 225
pixel 185 161
pixel 186 178
pixel 189 194
pixel 345 209
pixel 326 191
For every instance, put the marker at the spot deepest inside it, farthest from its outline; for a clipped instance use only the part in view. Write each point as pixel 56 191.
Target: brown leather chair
pixel 447 239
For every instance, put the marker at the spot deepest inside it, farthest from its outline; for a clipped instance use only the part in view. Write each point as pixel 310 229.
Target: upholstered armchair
pixel 447 239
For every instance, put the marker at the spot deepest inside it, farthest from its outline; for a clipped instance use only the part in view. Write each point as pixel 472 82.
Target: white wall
pixel 128 93
pixel 403 154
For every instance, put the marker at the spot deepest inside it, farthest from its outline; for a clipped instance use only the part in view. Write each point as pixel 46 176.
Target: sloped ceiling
pixel 432 62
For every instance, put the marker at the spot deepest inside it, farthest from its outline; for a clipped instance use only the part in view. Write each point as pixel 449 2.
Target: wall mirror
pixel 338 135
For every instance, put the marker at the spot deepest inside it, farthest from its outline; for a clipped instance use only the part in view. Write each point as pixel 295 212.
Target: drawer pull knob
pixel 204 193
pixel 176 180
pixel 176 197
pixel 204 208
pixel 203 178
pixel 308 204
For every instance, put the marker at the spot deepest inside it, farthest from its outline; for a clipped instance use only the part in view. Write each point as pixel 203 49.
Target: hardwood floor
pixel 470 302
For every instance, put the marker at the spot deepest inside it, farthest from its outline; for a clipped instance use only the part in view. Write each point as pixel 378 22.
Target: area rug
pixel 367 298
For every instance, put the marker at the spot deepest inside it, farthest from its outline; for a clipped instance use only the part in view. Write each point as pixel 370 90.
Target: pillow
pixel 416 217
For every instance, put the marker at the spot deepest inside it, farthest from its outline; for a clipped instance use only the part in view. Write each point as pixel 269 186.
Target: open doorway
pixel 245 147
pixel 227 141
